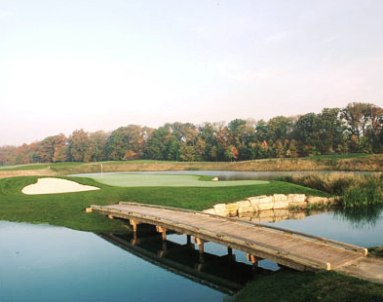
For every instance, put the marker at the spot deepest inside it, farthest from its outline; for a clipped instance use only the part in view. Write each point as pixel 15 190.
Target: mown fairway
pixel 68 209
pixel 166 180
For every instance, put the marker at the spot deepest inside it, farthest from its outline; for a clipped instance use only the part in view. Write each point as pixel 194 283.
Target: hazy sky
pixel 93 64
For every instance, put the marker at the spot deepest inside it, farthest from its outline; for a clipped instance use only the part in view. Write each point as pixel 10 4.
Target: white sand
pixel 55 186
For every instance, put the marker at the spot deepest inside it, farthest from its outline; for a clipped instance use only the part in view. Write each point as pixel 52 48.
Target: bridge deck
pixel 292 249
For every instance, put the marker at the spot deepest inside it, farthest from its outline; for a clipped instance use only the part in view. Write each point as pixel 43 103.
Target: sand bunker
pixel 55 186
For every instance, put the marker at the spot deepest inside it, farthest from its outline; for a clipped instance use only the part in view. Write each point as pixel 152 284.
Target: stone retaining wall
pixel 253 205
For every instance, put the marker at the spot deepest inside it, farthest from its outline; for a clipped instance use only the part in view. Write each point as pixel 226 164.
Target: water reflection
pixel 360 217
pixel 277 215
pixel 221 272
pixel 45 263
pixel 229 175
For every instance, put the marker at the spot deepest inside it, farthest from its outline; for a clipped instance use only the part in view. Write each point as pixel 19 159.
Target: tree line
pixel 356 128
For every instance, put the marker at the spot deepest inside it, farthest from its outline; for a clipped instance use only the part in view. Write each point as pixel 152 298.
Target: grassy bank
pixel 360 162
pixel 354 189
pixel 68 209
pixel 288 285
pixel 304 286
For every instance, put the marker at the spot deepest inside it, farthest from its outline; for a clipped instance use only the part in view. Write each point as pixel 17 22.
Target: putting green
pixel 165 180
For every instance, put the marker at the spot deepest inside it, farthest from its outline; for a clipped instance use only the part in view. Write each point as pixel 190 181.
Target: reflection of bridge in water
pixel 219 272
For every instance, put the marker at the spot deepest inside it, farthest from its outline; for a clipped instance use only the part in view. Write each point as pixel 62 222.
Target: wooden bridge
pixel 292 249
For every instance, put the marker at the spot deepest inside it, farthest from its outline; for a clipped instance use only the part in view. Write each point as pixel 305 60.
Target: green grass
pixel 68 209
pixel 304 286
pixel 166 180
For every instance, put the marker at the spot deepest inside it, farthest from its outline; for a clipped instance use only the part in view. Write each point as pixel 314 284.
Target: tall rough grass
pixel 354 189
pixel 369 191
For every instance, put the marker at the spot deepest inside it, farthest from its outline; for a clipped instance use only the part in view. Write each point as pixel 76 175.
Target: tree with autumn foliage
pixel 356 128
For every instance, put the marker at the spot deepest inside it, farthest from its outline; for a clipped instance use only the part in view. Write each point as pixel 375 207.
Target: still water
pixel 44 263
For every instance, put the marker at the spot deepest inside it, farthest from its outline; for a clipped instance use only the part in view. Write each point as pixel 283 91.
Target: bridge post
pixel 134 224
pixel 253 259
pixel 161 230
pixel 200 243
pixel 188 239
pixel 229 251
pixel 134 241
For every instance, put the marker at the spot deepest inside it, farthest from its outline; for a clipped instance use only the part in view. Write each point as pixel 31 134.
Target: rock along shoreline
pixel 255 204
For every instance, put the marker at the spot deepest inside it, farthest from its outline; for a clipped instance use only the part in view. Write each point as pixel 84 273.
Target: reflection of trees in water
pixel 360 216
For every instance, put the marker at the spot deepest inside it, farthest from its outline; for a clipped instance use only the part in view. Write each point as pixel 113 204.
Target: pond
pixel 224 175
pixel 45 263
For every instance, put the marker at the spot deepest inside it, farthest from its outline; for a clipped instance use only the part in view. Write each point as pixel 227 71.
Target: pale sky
pixel 99 65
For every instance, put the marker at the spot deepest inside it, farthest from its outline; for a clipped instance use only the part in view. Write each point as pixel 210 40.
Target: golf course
pixel 183 190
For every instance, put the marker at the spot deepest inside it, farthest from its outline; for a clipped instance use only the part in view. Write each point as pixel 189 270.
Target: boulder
pixel 296 198
pixel 209 211
pixel 232 209
pixel 265 206
pixel 220 209
pixel 301 205
pixel 279 197
pixel 243 204
pixel 281 204
pixel 248 209
pixel 255 199
pixel 315 200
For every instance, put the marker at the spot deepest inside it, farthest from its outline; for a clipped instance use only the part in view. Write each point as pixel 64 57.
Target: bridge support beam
pixel 161 230
pixel 252 259
pixel 134 223
pixel 200 242
pixel 188 239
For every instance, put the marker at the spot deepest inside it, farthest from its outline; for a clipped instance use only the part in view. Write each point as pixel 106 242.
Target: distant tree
pixel 279 148
pixel 231 153
pixel 52 149
pixel 356 117
pixel 306 129
pixel 97 145
pixel 7 155
pixel 364 124
pixel 131 138
pixel 157 144
pixel 262 132
pixel 208 138
pixel 280 128
pixel 79 146
pixel 356 128
pixel 60 148
pixel 292 150
pixel 330 130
